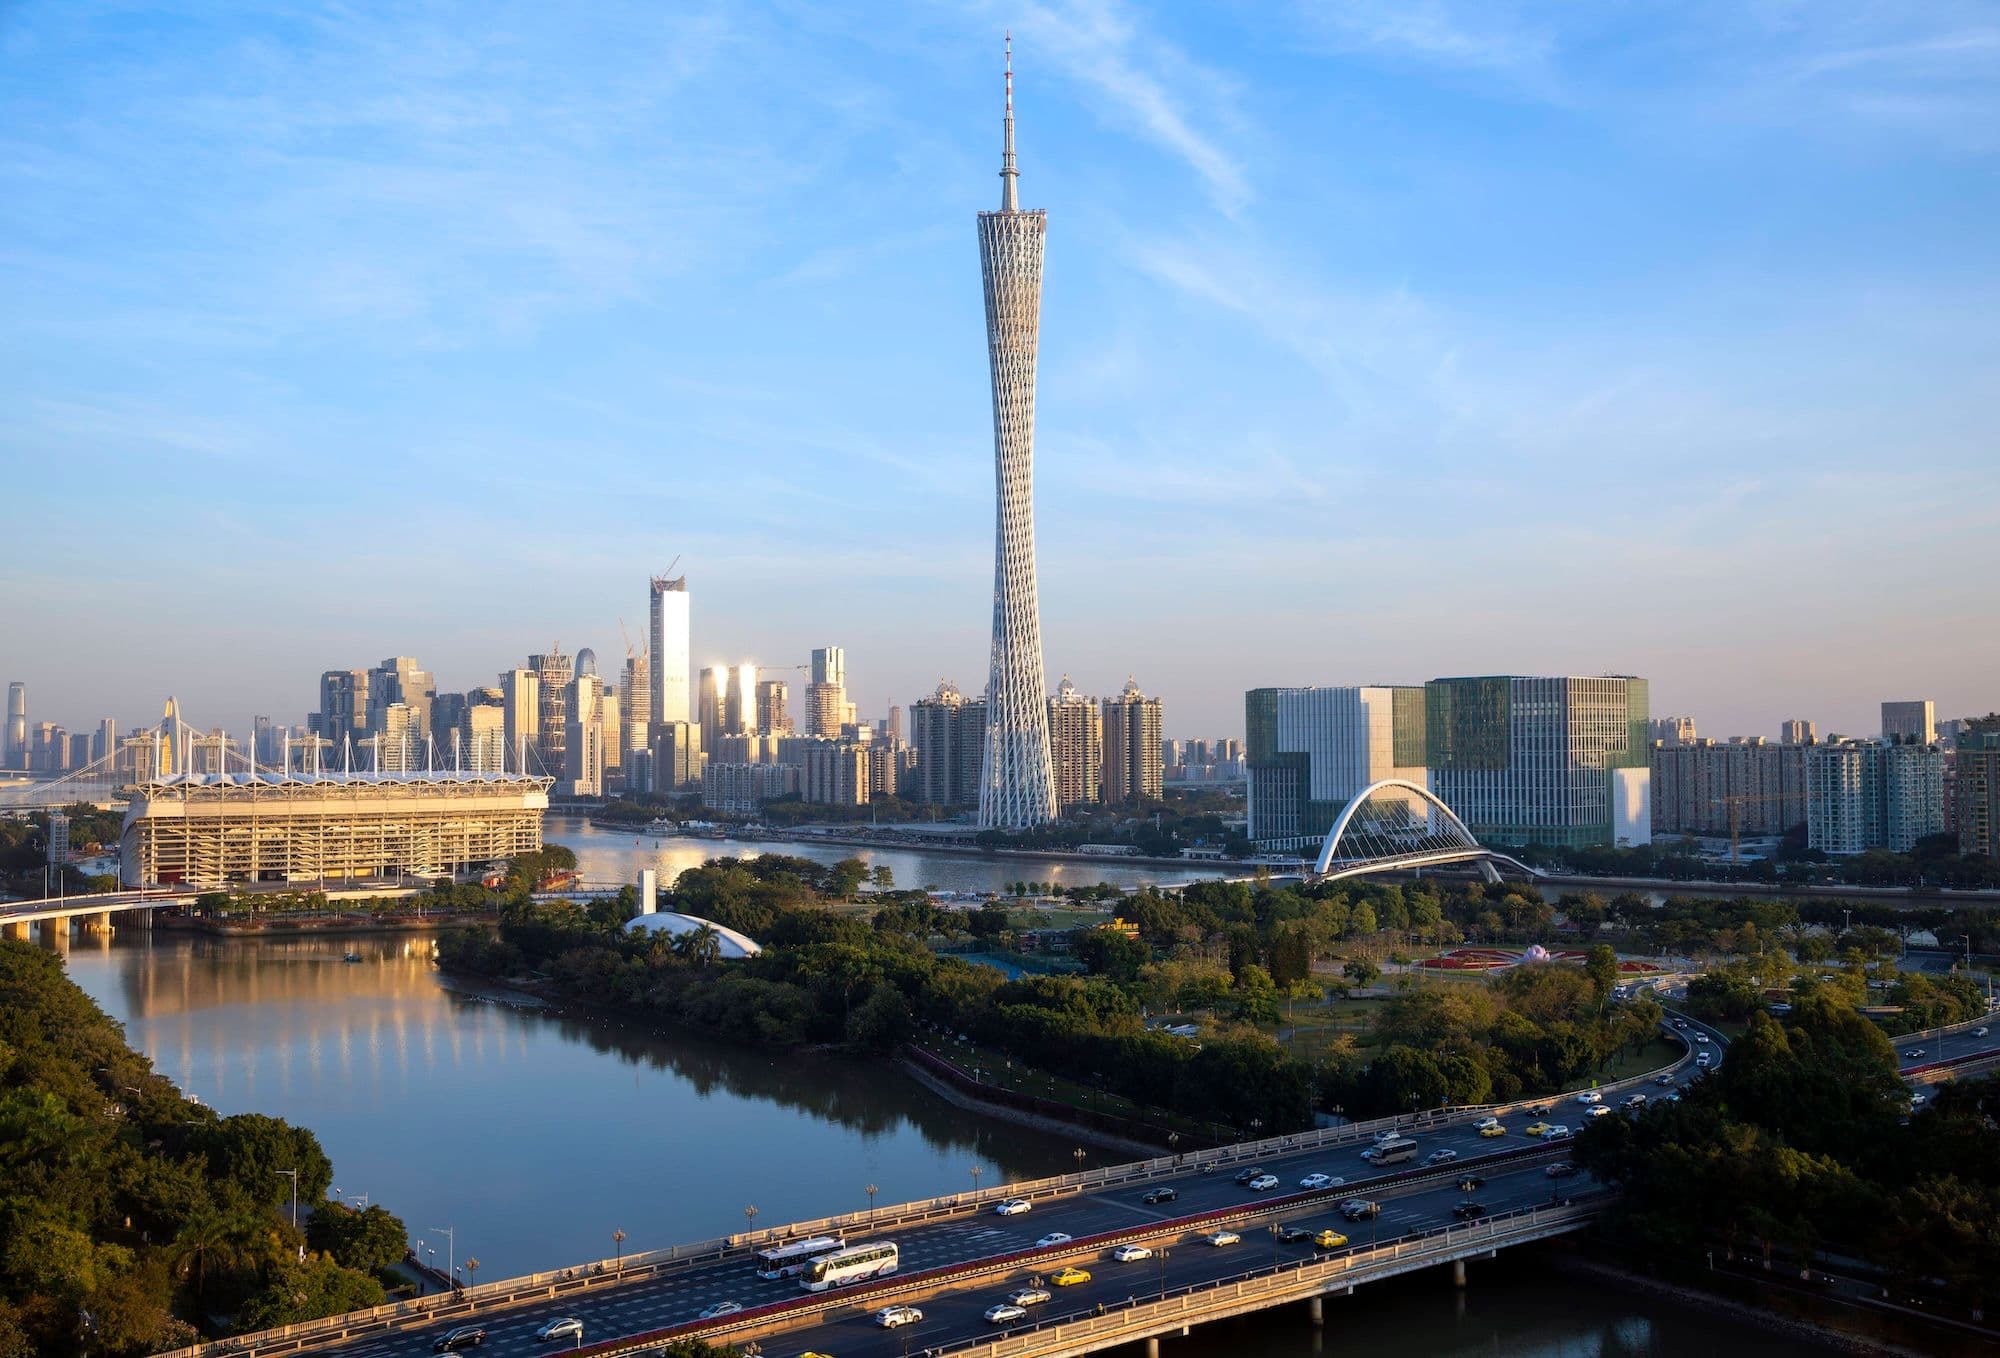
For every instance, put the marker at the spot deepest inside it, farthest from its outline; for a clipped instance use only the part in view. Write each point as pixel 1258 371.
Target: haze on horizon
pixel 1380 342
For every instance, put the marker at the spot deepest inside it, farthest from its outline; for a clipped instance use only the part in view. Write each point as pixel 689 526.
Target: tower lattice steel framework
pixel 1016 783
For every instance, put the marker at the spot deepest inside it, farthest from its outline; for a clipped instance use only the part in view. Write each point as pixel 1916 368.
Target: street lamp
pixel 450 1254
pixel 750 1215
pixel 976 1172
pixel 618 1240
pixel 871 1191
pixel 1078 1153
pixel 472 1270
pixel 294 1176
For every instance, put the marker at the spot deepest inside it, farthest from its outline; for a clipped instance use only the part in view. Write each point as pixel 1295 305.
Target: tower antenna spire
pixel 1009 199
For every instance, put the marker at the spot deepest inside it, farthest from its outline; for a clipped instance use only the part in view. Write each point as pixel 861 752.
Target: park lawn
pixel 1056 917
pixel 993 1067
pixel 1626 1063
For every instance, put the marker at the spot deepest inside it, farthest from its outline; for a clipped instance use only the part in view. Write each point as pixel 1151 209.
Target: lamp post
pixel 750 1215
pixel 1078 1153
pixel 976 1171
pixel 293 1175
pixel 472 1271
pixel 451 1253
pixel 871 1191
pixel 1161 1255
pixel 618 1240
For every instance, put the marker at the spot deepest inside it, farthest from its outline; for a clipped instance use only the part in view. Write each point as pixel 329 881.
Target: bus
pixel 856 1263
pixel 789 1259
pixel 1394 1151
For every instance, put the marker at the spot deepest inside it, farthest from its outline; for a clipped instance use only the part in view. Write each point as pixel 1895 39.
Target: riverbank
pixel 927 844
pixel 279 926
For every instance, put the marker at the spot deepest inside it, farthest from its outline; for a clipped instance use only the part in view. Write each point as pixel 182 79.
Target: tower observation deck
pixel 1016 783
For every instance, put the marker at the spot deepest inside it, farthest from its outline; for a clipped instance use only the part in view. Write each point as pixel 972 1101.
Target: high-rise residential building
pixel 1561 761
pixel 1796 731
pixel 745 787
pixel 1873 794
pixel 521 699
pixel 670 656
pixel 676 758
pixel 1076 745
pixel 774 706
pixel 555 670
pixel 17 725
pixel 1132 771
pixel 948 734
pixel 583 741
pixel 1912 723
pixel 836 773
pixel 1313 750
pixel 343 705
pixel 1673 730
pixel 1729 787
pixel 106 742
pixel 635 703
pixel 1978 790
pixel 1017 789
pixel 482 746
pixel 399 680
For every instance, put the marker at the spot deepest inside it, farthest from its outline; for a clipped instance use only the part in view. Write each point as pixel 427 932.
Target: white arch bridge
pixel 1396 825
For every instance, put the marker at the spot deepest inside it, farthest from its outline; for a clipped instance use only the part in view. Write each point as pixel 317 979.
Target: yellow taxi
pixel 1329 1239
pixel 1070 1276
pixel 1538 1129
pixel 1493 1129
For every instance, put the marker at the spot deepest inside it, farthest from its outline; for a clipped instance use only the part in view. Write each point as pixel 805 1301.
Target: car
pixel 1979 1032
pixel 1599 1112
pixel 1069 1277
pixel 463 1337
pixel 1680 1023
pixel 1485 1122
pixel 1467 1211
pixel 1635 1101
pixel 1005 1313
pixel 720 1308
pixel 1561 1169
pixel 1541 1110
pixel 1701 1060
pixel 1263 1183
pixel 562 1327
pixel 1590 1096
pixel 1054 1238
pixel 1157 1195
pixel 1664 1081
pixel 1674 1097
pixel 1913 1053
pixel 1559 1132
pixel 1292 1235
pixel 1389 1135
pixel 1131 1254
pixel 1329 1239
pixel 1539 1129
pixel 1468 1182
pixel 1029 1296
pixel 1320 1181
pixel 1443 1157
pixel 1244 1176
pixel 1222 1237
pixel 1495 1130
pixel 1012 1207
pixel 1701 1039
pixel 889 1317
pixel 1358 1210
pixel 1916 1101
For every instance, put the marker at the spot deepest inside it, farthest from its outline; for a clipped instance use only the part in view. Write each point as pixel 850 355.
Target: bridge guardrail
pixel 551 1283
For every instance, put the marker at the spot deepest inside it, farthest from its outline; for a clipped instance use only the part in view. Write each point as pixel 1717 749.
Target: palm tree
pixel 701 945
pixel 226 1239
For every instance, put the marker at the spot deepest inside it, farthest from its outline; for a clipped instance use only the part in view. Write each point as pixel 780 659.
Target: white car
pixel 720 1308
pixel 562 1327
pixel 1005 1313
pixel 1559 1132
pixel 889 1317
pixel 1484 1123
pixel 1131 1254
pixel 1590 1096
pixel 1979 1032
pixel 1222 1238
pixel 1263 1183
pixel 1443 1157
pixel 1916 1102
pixel 1054 1238
pixel 1012 1207
pixel 1701 1038
pixel 1702 1059
pixel 1599 1112
pixel 1321 1181
pixel 1389 1135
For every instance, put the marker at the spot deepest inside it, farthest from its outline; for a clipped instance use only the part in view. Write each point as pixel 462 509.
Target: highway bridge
pixel 958 1256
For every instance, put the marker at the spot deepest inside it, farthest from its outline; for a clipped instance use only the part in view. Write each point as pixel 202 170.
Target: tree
pixel 846 877
pixel 306 1291
pixel 700 946
pixel 881 1021
pixel 883 877
pixel 1361 971
pixel 371 1240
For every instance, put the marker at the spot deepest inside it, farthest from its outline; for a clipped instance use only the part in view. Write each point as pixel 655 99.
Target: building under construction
pixel 217 829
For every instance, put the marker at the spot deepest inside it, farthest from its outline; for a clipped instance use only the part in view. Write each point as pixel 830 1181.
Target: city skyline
pixel 1469 277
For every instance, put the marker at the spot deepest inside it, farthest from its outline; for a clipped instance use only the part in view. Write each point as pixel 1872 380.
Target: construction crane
pixel 631 651
pixel 1736 801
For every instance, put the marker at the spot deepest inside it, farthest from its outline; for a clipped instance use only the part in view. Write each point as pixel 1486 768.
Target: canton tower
pixel 1017 788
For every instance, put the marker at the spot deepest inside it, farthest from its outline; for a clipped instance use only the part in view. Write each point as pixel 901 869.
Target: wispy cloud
pixel 1148 84
pixel 1487 37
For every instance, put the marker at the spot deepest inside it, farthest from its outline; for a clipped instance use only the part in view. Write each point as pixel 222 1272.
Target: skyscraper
pixel 774 706
pixel 555 670
pixel 1017 788
pixel 668 658
pixel 1076 745
pixel 583 742
pixel 826 695
pixel 521 697
pixel 1797 731
pixel 1913 723
pixel 17 725
pixel 1132 769
pixel 635 703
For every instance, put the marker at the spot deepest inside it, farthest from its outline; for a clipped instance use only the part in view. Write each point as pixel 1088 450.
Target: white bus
pixel 789 1260
pixel 856 1263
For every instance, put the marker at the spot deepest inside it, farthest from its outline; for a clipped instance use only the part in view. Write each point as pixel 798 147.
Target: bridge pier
pixel 18 931
pixel 1152 1346
pixel 55 934
pixel 1458 1272
pixel 99 923
pixel 136 919
pixel 1316 1310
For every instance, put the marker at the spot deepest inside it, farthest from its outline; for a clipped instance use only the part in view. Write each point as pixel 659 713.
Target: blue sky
pixel 1380 341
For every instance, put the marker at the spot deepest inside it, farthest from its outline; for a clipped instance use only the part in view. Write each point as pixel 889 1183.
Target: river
pixel 533 1135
